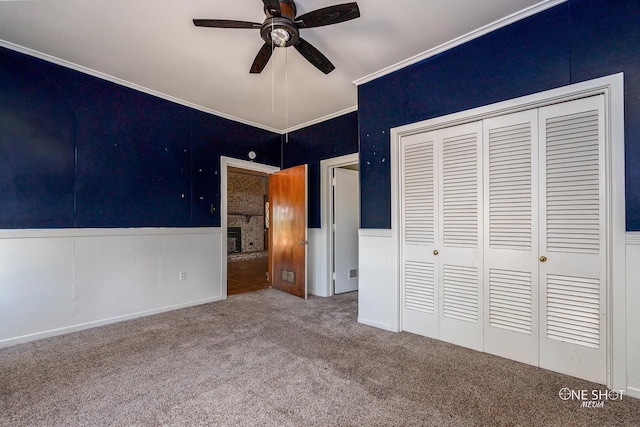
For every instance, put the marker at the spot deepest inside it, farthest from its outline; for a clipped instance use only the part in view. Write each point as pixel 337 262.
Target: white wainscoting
pixel 317 282
pixel 378 287
pixel 57 281
pixel 633 314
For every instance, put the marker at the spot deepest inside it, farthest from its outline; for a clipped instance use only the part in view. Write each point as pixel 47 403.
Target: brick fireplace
pixel 234 240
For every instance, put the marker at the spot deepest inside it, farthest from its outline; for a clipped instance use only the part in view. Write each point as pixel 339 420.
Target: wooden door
pixel 288 230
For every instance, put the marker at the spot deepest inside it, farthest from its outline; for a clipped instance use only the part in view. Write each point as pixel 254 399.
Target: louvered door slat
pixel 419 286
pixel 573 315
pixel 418 194
pixel 573 152
pixel 460 190
pixel 510 300
pixel 460 286
pixel 510 187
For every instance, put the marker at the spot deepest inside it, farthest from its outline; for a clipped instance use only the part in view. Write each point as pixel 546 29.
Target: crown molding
pixel 532 10
pixel 321 119
pixel 503 22
pixel 121 82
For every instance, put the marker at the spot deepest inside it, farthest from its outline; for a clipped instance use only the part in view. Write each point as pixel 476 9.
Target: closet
pixel 503 236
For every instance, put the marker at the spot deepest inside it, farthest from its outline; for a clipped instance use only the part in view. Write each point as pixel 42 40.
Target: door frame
pixel 325 243
pixel 225 162
pixel 612 87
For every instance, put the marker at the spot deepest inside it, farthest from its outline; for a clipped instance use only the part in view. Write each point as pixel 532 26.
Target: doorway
pixel 287 220
pixel 247 227
pixel 345 222
pixel 341 208
pixel 234 216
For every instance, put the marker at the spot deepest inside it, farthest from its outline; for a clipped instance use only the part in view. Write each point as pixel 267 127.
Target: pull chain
pixel 273 102
pixel 286 94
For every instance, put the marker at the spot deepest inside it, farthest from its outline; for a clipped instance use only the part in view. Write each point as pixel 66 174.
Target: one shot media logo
pixel 590 398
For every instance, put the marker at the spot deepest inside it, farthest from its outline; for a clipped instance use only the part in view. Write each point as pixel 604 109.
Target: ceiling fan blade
pixel 273 7
pixel 225 23
pixel 314 56
pixel 328 15
pixel 263 56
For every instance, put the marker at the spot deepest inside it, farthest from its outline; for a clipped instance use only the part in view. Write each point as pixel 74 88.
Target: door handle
pixel 304 242
pixel 543 258
pixel 435 252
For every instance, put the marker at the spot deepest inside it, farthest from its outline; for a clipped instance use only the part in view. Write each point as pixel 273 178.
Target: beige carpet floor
pixel 269 359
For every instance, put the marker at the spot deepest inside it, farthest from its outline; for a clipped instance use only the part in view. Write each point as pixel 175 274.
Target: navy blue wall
pixel 77 151
pixel 576 41
pixel 331 138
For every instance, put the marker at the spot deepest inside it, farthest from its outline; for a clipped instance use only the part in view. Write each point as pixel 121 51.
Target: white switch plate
pixel 183 275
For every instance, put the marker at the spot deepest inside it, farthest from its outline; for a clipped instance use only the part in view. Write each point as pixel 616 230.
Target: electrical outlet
pixel 183 275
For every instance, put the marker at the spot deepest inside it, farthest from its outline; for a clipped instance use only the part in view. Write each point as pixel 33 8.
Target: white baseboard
pixel 377 325
pixel 633 392
pixel 632 315
pixel 74 328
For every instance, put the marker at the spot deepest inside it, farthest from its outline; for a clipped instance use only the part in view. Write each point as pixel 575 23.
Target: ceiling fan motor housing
pixel 280 30
pixel 280 23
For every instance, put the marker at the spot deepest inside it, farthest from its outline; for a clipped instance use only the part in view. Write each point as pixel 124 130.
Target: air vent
pixel 287 276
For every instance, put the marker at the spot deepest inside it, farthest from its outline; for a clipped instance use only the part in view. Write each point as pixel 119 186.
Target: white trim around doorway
pixel 324 246
pixel 225 162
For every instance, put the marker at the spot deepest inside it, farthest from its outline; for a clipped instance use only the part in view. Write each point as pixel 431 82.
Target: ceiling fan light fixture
pixel 280 37
pixel 281 28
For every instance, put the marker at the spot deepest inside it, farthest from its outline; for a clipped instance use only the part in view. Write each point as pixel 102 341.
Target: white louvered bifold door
pixel 572 239
pixel 459 245
pixel 418 198
pixel 511 236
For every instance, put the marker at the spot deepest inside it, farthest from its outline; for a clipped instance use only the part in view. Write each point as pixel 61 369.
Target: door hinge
pixel 333 181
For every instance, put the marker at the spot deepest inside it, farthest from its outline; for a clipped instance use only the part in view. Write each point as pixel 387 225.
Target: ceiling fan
pixel 281 28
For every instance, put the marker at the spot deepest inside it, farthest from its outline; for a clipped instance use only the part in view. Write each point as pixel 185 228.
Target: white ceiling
pixel 153 46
